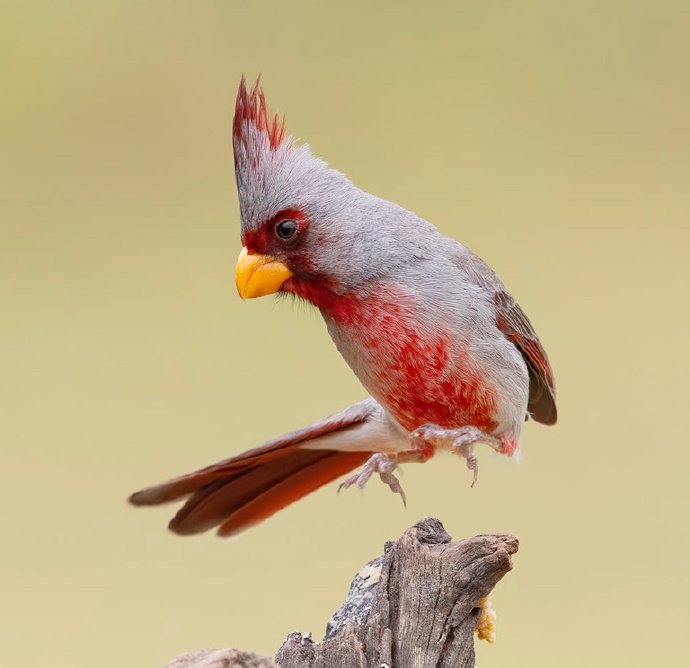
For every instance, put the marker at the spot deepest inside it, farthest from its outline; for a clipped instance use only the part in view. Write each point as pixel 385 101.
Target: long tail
pixel 239 492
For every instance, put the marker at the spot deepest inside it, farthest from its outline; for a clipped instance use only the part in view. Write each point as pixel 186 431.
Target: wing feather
pixel 243 490
pixel 515 325
pixel 513 322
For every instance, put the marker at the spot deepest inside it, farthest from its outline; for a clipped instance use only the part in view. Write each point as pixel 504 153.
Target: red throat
pixel 420 375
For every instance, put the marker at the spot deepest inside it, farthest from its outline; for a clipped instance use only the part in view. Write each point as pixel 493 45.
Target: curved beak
pixel 259 275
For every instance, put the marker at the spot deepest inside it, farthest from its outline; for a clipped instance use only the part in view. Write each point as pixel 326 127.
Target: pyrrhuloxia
pixel 447 355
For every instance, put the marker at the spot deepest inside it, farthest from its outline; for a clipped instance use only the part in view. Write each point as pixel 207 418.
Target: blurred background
pixel 550 137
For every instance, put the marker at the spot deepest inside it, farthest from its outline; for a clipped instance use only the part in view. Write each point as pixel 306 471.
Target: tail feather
pixel 243 490
pixel 223 472
pixel 300 483
pixel 213 504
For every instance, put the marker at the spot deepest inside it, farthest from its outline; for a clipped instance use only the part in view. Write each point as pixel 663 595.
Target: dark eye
pixel 286 229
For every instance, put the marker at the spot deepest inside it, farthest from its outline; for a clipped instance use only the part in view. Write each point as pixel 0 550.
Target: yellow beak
pixel 259 275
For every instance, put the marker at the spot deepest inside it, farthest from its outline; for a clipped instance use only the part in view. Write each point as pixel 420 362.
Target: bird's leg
pixel 382 463
pixel 461 440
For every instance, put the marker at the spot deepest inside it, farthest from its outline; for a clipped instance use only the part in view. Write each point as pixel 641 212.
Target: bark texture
pixel 416 606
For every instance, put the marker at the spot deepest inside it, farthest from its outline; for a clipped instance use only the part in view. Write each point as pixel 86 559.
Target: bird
pixel 447 356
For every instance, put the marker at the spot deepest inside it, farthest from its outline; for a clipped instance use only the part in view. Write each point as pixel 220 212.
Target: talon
pixel 379 463
pixel 394 485
pixel 467 451
pixel 473 465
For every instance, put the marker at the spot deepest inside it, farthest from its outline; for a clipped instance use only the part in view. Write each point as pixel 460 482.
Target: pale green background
pixel 551 137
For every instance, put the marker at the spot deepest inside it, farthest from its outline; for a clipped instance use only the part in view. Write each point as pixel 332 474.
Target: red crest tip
pixel 251 107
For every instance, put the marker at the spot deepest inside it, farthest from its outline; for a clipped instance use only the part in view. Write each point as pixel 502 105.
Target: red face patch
pixel 263 239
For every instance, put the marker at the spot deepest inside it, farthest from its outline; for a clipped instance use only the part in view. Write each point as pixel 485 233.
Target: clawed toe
pixel 467 451
pixel 379 463
pixel 460 440
pixel 394 484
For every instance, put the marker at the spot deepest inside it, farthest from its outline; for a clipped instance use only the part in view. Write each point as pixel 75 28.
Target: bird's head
pixel 305 228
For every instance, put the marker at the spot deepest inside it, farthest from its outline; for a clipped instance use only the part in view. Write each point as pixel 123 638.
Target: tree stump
pixel 416 606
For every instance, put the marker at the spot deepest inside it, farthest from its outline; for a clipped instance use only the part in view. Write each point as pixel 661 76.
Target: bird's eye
pixel 286 229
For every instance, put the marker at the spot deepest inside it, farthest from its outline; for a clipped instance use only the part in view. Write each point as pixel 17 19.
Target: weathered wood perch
pixel 416 606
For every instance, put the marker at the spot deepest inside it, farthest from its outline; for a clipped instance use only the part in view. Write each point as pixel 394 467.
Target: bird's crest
pixel 253 123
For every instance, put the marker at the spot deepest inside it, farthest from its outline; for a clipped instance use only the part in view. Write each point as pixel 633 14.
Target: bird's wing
pixel 513 322
pixel 244 490
pixel 515 325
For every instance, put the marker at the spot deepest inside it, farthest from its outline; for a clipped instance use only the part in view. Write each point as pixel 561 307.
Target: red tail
pixel 254 488
pixel 244 490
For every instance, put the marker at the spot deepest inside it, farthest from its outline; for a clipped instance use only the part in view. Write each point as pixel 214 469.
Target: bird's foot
pixel 460 440
pixel 382 464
